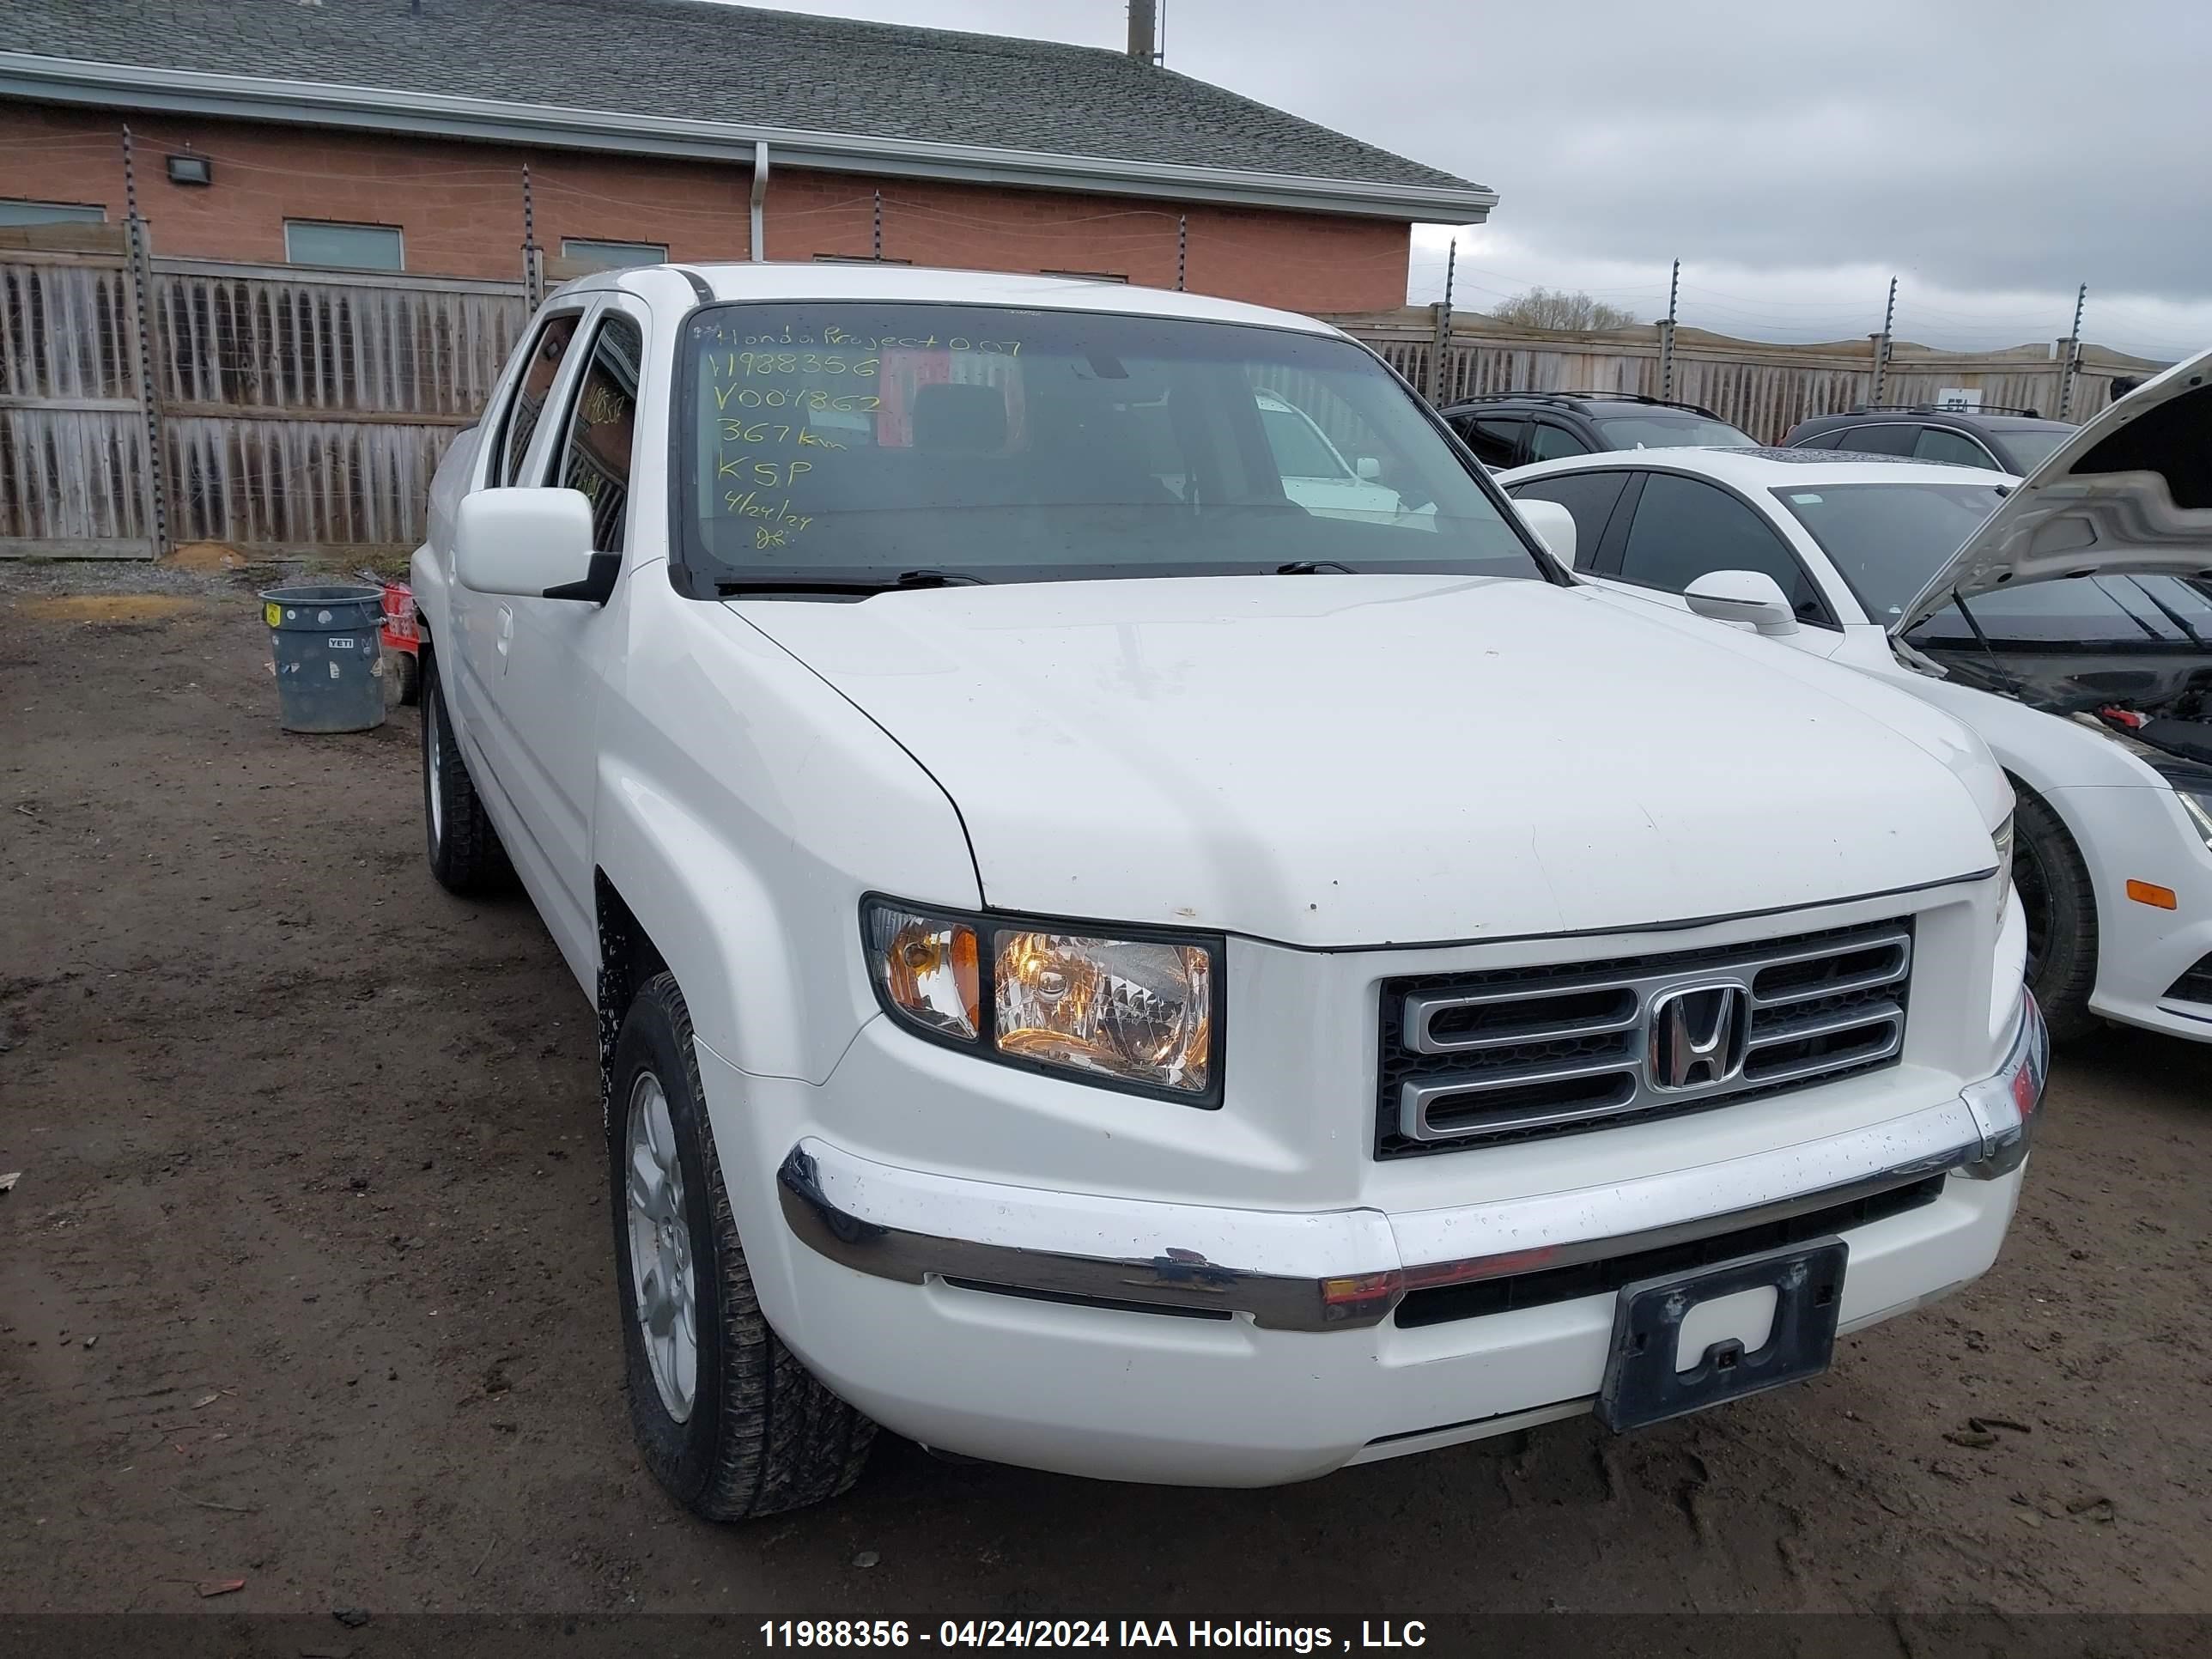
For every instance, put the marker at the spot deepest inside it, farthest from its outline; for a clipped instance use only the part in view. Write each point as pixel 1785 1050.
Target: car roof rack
pixel 1945 409
pixel 1597 394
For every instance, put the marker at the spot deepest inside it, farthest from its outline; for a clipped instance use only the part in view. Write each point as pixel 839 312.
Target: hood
pixel 2129 494
pixel 1359 759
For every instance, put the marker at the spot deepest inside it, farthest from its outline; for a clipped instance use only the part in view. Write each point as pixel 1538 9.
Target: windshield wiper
pixel 1313 567
pixel 798 583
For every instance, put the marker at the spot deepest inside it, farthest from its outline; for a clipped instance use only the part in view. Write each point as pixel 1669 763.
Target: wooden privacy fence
pixel 148 402
pixel 282 411
pixel 1765 389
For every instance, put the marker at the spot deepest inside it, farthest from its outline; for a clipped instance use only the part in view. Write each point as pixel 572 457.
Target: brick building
pixel 448 137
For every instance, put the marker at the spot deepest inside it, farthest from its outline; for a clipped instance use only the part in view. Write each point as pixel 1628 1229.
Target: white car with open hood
pixel 1107 961
pixel 2067 620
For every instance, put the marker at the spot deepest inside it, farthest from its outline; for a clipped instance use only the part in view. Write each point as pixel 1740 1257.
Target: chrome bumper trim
pixel 1348 1269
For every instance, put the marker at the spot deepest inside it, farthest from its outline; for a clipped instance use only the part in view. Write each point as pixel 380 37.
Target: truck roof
pixel 768 280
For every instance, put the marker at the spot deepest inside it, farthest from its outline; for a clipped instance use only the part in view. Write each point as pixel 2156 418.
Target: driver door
pixel 474 664
pixel 558 662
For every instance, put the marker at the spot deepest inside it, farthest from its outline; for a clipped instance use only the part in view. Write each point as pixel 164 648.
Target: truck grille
pixel 1514 1053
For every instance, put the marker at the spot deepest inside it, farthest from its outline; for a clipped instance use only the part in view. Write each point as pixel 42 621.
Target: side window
pixel 1685 528
pixel 1883 438
pixel 1496 443
pixel 1548 442
pixel 1819 441
pixel 520 421
pixel 1589 498
pixel 595 455
pixel 1938 443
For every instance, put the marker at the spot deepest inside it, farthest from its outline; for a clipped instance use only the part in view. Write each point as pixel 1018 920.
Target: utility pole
pixel 2073 356
pixel 876 246
pixel 1440 340
pixel 1881 344
pixel 1667 336
pixel 533 264
pixel 1183 248
pixel 141 258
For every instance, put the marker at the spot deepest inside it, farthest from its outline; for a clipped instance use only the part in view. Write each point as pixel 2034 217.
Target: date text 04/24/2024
pixel 850 1633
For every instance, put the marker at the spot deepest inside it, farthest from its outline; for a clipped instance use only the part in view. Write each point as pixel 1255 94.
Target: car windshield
pixel 2093 613
pixel 2030 446
pixel 1887 539
pixel 850 442
pixel 1665 430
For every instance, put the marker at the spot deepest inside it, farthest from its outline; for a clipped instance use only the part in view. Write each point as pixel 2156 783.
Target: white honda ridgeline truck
pixel 1104 962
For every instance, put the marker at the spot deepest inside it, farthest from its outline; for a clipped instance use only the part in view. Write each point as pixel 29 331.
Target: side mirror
pixel 1368 468
pixel 534 544
pixel 1743 596
pixel 1554 526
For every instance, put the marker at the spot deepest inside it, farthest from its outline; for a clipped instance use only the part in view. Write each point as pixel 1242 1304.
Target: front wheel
pixel 2060 908
pixel 727 1417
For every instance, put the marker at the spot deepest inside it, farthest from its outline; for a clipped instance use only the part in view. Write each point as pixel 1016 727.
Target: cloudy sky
pixel 1990 153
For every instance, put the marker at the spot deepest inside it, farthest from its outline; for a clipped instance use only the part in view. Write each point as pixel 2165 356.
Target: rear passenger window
pixel 1589 498
pixel 1685 528
pixel 1495 443
pixel 1889 438
pixel 595 458
pixel 1818 441
pixel 527 405
pixel 1938 443
pixel 1548 442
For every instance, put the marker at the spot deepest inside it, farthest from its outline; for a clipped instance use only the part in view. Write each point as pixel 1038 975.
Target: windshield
pixel 2030 446
pixel 2091 613
pixel 1668 431
pixel 847 442
pixel 1887 539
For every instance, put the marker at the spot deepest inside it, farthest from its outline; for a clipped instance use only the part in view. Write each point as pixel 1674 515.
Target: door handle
pixel 505 634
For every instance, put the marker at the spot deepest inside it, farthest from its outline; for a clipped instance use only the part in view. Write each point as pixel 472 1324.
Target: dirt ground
pixel 307 1278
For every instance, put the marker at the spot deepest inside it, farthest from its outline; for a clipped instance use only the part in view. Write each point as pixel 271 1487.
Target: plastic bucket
pixel 330 666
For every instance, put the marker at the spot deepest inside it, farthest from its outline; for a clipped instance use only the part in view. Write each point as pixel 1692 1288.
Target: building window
pixel 353 247
pixel 1088 275
pixel 611 256
pixel 857 259
pixel 51 212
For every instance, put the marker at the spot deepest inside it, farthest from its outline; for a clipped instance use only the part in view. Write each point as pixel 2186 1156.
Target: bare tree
pixel 1560 308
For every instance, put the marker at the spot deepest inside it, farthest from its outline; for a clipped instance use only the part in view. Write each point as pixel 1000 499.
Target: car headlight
pixel 2001 839
pixel 1142 1013
pixel 2198 805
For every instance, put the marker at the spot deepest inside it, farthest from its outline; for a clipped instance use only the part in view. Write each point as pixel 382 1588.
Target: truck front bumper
pixel 1196 1345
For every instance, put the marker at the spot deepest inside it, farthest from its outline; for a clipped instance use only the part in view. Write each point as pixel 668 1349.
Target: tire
pixel 465 855
pixel 2061 911
pixel 757 1434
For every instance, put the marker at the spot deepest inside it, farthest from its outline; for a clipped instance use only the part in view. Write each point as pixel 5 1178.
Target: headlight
pixel 1139 1013
pixel 2199 808
pixel 2001 839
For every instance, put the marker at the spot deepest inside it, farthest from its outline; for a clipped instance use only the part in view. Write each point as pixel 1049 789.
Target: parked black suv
pixel 1514 427
pixel 2009 440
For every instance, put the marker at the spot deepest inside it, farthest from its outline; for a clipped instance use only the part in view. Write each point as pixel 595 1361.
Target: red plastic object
pixel 399 632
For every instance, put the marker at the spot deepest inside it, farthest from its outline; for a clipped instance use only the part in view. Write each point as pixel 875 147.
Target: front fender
pixel 743 807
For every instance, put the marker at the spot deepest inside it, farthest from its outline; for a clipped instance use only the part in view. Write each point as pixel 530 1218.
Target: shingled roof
pixel 688 76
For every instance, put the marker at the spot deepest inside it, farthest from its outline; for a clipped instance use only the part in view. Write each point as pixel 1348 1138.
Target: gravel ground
pixel 307 1279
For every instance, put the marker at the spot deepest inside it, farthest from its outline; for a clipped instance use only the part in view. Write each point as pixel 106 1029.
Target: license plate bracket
pixel 1641 1385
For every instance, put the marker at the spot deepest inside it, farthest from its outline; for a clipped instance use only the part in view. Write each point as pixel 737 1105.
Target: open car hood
pixel 2129 494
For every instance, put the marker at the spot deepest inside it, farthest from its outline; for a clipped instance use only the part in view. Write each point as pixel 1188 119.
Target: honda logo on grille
pixel 1698 1036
